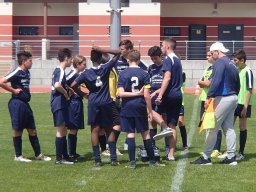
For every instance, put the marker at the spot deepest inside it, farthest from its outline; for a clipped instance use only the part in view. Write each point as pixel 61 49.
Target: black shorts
pixel 115 114
pixel 21 115
pixel 239 109
pixel 182 111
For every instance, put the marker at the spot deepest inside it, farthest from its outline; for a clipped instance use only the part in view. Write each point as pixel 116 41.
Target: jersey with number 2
pixel 133 79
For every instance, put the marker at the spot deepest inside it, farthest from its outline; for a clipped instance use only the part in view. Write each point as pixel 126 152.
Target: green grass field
pixel 175 176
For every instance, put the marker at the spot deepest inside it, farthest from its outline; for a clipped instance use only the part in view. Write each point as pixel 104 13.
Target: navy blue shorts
pixel 172 109
pixel 76 114
pixel 60 117
pixel 182 111
pixel 239 109
pixel 21 115
pixel 134 124
pixel 115 115
pixel 100 115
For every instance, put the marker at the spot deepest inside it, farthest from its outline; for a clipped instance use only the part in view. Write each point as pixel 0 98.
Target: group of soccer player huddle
pixel 123 95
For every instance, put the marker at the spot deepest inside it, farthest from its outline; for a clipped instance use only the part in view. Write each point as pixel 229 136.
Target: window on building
pixel 125 30
pixel 28 31
pixel 172 31
pixel 125 3
pixel 66 31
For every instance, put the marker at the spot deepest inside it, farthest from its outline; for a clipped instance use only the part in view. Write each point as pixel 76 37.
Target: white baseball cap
pixel 218 46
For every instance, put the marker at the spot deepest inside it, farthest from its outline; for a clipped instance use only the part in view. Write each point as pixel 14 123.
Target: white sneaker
pixel 118 152
pixel 125 146
pixel 43 157
pixel 22 159
pixel 223 156
pixel 164 133
pixel 239 157
pixel 106 153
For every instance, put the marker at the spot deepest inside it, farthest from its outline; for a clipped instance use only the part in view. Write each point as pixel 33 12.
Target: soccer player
pixel 224 88
pixel 245 98
pixel 170 93
pixel 59 105
pixel 21 114
pixel 205 83
pixel 75 107
pixel 133 88
pixel 96 80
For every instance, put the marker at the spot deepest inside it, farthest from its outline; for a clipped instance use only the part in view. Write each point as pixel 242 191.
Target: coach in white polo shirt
pixel 225 86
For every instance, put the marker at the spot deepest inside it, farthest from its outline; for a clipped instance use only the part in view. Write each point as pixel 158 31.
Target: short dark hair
pixel 154 51
pixel 171 42
pixel 240 54
pixel 96 56
pixel 63 53
pixel 127 44
pixel 23 56
pixel 133 56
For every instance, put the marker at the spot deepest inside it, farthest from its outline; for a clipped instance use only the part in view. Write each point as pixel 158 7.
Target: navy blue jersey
pixel 58 100
pixel 70 78
pixel 225 78
pixel 20 79
pixel 122 64
pixel 96 80
pixel 156 77
pixel 132 80
pixel 172 63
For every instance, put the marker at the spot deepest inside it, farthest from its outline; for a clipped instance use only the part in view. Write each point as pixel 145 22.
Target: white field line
pixel 179 175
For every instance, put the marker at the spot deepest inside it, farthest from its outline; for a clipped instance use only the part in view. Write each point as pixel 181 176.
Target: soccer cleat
pixel 64 162
pixel 132 165
pixel 98 164
pixel 22 159
pixel 114 163
pixel 240 157
pixel 231 161
pixel 223 156
pixel 202 161
pixel 156 153
pixel 42 157
pixel 164 133
pixel 125 146
pixel 215 153
pixel 118 152
pixel 168 158
pixel 106 153
pixel 142 153
pixel 186 149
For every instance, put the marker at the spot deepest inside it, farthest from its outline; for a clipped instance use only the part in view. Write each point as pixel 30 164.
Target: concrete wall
pixel 41 72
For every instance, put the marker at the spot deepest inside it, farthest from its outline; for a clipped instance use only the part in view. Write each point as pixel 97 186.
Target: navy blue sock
pixel 72 141
pixel 116 133
pixel 96 153
pixel 103 142
pixel 131 148
pixel 17 143
pixel 35 144
pixel 167 146
pixel 243 138
pixel 152 133
pixel 149 148
pixel 59 146
pixel 112 149
pixel 183 133
pixel 65 148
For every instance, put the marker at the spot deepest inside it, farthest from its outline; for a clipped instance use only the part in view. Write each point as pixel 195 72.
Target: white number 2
pixel 135 83
pixel 98 82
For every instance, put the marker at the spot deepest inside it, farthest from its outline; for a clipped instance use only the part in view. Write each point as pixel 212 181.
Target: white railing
pixel 46 49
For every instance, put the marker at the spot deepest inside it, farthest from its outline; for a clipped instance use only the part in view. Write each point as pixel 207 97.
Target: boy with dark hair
pixel 21 114
pixel 170 93
pixel 96 80
pixel 245 98
pixel 75 107
pixel 133 88
pixel 59 105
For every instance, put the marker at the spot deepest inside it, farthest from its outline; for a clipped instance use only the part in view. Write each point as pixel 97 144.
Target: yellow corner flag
pixel 208 119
